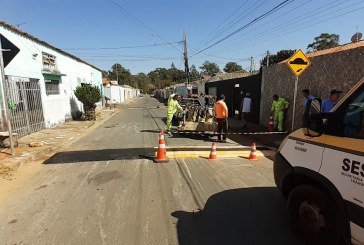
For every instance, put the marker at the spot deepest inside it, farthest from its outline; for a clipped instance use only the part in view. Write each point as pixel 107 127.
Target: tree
pixel 89 95
pixel 232 67
pixel 324 41
pixel 120 74
pixel 209 68
pixel 194 74
pixel 278 57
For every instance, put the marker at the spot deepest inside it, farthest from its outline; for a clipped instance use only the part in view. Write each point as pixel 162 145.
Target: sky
pixel 143 35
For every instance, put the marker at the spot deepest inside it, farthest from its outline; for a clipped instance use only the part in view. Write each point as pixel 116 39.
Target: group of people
pixel 278 110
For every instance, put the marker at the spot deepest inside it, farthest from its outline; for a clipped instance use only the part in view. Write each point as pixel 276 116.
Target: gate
pixel 24 105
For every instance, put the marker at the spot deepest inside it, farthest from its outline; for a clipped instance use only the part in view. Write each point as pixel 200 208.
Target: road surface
pixel 105 189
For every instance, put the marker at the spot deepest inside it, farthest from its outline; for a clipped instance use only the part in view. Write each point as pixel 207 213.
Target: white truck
pixel 320 169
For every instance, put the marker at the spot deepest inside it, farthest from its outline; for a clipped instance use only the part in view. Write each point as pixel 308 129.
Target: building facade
pixel 40 82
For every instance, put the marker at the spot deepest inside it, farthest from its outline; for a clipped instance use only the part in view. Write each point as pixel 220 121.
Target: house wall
pixel 28 64
pixel 235 90
pixel 341 70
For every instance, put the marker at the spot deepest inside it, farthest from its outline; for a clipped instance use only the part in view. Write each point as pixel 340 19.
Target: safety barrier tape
pixel 232 133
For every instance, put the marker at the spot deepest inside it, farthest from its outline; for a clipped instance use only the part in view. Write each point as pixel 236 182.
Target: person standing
pixel 221 114
pixel 172 108
pixel 329 103
pixel 246 109
pixel 306 95
pixel 279 108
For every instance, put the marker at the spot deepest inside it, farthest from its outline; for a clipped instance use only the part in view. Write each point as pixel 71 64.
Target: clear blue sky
pixel 92 24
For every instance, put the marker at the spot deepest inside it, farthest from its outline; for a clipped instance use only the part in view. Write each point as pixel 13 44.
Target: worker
pixel 246 105
pixel 172 108
pixel 279 108
pixel 306 96
pixel 221 114
pixel 329 103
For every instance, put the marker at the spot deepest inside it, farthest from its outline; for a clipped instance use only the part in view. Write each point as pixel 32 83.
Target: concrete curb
pixel 46 150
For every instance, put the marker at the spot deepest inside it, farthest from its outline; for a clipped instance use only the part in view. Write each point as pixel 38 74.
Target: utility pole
pixel 268 57
pixel 252 68
pixel 187 69
pixel 117 74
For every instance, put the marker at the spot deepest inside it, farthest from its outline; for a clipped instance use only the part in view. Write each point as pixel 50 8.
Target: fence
pixel 25 105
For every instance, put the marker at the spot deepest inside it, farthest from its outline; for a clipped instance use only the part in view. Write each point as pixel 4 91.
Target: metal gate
pixel 24 105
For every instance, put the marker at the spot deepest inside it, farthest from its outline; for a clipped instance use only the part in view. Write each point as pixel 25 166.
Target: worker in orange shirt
pixel 221 114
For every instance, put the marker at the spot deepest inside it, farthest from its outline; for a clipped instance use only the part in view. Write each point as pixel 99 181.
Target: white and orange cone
pixel 271 124
pixel 161 152
pixel 253 153
pixel 213 154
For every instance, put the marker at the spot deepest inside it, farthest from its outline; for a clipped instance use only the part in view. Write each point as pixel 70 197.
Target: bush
pixel 89 95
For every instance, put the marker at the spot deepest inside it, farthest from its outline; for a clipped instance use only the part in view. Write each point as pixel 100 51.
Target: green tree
pixel 120 74
pixel 89 95
pixel 232 67
pixel 209 68
pixel 278 57
pixel 324 41
pixel 194 74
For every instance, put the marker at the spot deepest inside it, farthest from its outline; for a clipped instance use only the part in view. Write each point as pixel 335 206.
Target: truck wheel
pixel 314 216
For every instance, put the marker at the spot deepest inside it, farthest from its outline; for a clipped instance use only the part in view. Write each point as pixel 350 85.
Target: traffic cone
pixel 253 153
pixel 271 124
pixel 161 152
pixel 213 155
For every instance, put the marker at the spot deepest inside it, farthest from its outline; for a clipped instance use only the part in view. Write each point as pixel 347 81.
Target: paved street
pixel 105 189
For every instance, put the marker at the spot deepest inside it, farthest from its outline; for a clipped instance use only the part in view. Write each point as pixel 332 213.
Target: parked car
pixel 189 101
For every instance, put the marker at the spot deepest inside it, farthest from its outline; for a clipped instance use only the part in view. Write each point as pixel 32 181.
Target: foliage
pixel 324 41
pixel 232 67
pixel 88 94
pixel 278 57
pixel 194 74
pixel 209 68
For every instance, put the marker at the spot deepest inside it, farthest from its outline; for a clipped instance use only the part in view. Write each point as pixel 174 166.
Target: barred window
pixel 49 61
pixel 52 87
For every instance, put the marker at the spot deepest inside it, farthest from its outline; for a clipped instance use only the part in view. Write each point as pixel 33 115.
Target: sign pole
pixel 294 101
pixel 3 102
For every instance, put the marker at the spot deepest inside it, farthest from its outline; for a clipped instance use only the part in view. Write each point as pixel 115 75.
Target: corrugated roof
pixel 27 35
pixel 337 49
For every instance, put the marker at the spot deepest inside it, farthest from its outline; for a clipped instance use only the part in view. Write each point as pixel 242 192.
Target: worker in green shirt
pixel 172 108
pixel 279 107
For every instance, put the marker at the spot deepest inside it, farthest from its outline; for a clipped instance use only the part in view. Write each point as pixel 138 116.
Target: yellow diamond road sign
pixel 298 62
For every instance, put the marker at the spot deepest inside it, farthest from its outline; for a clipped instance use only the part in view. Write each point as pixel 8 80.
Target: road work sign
pixel 298 62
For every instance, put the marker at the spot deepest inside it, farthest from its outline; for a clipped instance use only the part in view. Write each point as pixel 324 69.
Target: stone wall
pixel 340 70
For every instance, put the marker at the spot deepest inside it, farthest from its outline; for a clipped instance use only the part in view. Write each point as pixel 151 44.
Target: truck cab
pixel 320 169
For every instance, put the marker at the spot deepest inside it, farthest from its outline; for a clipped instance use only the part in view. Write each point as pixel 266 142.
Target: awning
pixel 52 75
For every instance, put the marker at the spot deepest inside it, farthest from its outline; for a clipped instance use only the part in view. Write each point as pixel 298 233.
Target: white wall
pixel 56 108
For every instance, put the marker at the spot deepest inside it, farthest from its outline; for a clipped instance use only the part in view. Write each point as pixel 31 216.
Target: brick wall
pixel 341 70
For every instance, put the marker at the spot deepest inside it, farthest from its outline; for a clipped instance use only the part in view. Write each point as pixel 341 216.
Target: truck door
pixel 343 161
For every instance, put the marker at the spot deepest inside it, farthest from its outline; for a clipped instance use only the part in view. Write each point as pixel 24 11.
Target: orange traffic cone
pixel 271 124
pixel 253 153
pixel 213 155
pixel 162 152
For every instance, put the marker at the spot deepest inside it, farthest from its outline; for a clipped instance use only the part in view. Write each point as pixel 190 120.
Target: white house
pixel 119 93
pixel 40 82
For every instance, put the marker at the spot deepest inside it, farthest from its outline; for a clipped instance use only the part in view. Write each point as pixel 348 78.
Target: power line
pixel 126 47
pixel 276 8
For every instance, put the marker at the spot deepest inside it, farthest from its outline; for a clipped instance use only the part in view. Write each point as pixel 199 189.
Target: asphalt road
pixel 105 189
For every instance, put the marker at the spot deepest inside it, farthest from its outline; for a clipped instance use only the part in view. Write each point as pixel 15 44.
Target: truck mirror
pixel 313 124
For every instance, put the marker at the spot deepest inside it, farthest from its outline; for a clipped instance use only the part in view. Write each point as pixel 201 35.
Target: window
pixel 52 87
pixel 354 116
pixel 49 61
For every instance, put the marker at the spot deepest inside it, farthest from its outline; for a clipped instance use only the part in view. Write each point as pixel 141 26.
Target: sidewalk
pixel 50 140
pixel 272 140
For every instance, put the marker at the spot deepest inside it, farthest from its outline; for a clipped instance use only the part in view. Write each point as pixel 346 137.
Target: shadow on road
pixel 251 216
pixel 101 155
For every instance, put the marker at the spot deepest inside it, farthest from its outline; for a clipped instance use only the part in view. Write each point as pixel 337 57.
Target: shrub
pixel 89 95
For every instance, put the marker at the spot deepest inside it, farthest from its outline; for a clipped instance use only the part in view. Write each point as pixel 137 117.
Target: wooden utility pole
pixel 187 69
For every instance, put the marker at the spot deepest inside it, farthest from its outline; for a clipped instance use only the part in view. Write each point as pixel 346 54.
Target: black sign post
pixel 7 52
